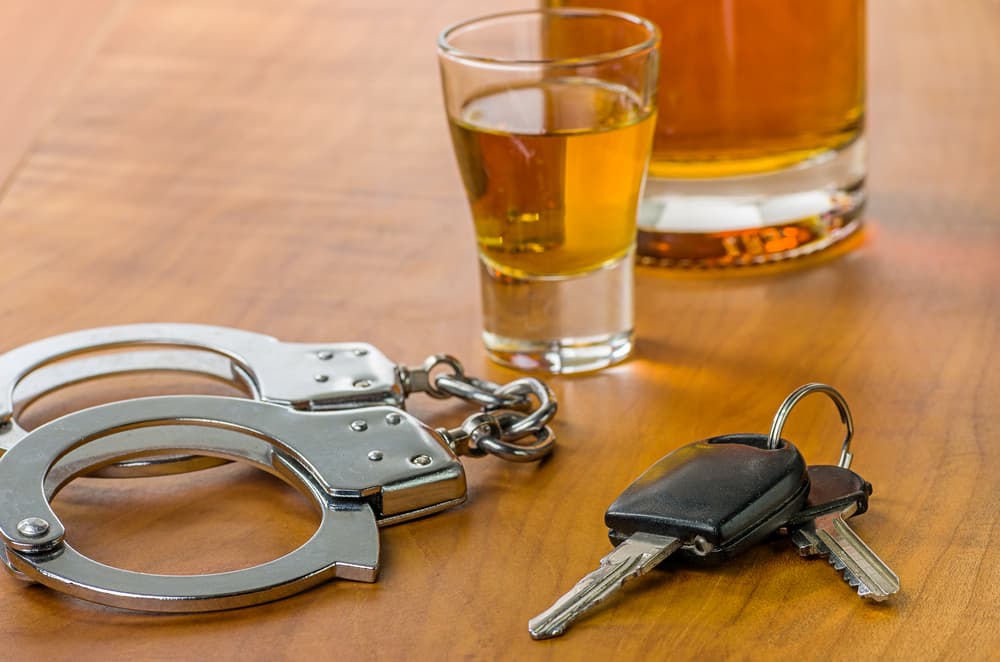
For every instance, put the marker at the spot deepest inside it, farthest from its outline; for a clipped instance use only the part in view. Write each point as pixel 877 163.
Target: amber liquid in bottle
pixel 751 87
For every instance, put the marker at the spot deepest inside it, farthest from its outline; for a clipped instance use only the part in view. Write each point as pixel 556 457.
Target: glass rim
pixel 445 48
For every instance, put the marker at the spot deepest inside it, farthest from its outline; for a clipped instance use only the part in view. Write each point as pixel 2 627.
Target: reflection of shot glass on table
pixel 759 150
pixel 551 116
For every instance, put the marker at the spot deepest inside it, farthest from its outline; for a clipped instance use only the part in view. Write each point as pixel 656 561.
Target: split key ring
pixel 774 437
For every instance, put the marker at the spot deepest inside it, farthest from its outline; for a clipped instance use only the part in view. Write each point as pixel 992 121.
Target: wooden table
pixel 285 167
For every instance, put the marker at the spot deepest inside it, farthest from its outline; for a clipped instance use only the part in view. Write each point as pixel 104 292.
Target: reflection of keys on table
pixel 677 506
pixel 821 530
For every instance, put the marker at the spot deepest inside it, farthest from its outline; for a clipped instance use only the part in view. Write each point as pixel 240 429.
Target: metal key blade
pixel 639 554
pixel 829 535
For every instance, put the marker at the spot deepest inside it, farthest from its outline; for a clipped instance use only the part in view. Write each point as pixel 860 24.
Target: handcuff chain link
pixel 510 412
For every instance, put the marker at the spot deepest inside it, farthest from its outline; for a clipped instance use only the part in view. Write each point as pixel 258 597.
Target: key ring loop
pixel 774 437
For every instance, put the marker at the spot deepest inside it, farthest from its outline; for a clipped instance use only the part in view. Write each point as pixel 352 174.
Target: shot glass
pixel 759 150
pixel 552 115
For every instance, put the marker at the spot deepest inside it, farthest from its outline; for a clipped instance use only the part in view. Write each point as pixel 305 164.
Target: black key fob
pixel 719 496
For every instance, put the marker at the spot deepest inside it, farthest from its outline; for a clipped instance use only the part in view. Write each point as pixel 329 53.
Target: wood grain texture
pixel 285 167
pixel 45 46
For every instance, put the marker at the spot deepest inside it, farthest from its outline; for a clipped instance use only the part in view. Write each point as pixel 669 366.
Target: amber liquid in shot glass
pixel 551 170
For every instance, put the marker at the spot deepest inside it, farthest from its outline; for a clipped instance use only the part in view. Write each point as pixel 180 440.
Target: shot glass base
pixel 559 325
pixel 736 221
pixel 566 356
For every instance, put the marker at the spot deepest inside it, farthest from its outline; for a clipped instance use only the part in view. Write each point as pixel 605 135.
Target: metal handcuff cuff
pixel 326 418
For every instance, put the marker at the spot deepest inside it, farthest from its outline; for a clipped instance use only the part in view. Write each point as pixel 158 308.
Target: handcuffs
pixel 326 418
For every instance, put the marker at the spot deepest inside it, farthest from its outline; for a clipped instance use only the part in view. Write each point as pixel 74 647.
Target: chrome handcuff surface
pixel 334 430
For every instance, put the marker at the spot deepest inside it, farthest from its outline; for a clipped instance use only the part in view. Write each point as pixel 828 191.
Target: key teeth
pixel 877 582
pixel 847 575
pixel 864 590
pixel 836 562
pixel 855 582
pixel 811 549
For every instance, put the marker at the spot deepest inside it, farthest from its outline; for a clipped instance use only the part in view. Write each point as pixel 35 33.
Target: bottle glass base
pixel 756 219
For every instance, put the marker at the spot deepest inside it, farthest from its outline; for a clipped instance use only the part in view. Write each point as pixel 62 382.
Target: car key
pixel 705 502
pixel 821 529
pixel 836 494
